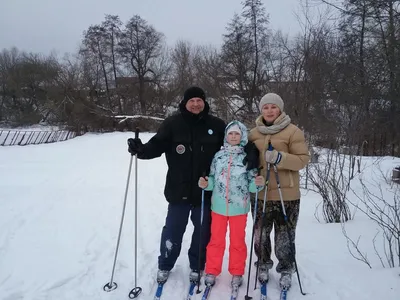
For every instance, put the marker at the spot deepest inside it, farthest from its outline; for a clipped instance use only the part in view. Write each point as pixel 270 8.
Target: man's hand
pixel 135 146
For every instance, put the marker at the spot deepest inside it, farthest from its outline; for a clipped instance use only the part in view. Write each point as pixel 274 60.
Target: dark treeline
pixel 340 80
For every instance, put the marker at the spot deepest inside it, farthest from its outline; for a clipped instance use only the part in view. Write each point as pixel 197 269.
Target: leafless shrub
pixel 354 249
pixel 328 180
pixel 381 203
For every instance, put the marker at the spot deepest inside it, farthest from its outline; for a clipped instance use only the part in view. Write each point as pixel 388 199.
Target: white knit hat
pixel 235 128
pixel 271 98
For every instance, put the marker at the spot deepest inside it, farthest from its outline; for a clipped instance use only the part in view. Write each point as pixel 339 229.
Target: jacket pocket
pixel 291 182
pixel 285 180
pixel 178 185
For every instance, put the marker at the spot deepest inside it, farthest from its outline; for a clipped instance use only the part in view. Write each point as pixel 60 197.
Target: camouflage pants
pixel 284 247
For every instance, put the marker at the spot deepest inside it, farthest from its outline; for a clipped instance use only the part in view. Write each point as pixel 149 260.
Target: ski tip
pixel 283 294
pixel 207 291
pixel 159 291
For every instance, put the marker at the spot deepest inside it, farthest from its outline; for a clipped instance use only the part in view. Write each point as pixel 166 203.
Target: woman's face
pixel 270 112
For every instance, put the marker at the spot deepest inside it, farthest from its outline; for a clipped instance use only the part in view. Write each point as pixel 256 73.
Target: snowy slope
pixel 60 208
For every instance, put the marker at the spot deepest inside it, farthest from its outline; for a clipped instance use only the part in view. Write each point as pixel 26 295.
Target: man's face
pixel 195 105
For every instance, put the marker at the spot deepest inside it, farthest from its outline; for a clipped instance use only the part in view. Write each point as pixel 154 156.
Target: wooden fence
pixel 23 138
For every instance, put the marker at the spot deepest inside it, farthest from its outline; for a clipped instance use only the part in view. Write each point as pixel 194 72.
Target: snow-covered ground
pixel 60 208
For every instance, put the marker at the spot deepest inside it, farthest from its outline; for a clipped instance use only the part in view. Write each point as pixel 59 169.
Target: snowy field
pixel 60 208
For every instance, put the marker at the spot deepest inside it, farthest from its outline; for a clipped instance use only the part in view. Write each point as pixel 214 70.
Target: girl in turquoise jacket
pixel 231 184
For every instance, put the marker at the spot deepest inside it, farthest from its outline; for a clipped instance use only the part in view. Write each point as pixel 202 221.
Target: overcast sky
pixel 46 25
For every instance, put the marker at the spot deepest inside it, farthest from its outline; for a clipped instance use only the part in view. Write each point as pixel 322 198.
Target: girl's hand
pixel 203 182
pixel 259 181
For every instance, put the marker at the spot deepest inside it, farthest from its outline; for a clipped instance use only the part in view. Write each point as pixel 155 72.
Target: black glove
pixel 252 156
pixel 135 146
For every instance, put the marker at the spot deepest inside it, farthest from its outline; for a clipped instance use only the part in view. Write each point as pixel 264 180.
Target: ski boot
pixel 162 276
pixel 285 282
pixel 194 276
pixel 209 280
pixel 263 274
pixel 237 280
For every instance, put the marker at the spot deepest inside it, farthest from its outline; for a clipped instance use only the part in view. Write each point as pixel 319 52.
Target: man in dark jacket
pixel 189 140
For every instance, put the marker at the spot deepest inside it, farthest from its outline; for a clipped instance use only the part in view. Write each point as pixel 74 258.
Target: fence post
pixel 47 140
pixel 29 137
pixel 43 137
pixel 20 141
pixel 4 142
pixel 396 174
pixel 15 136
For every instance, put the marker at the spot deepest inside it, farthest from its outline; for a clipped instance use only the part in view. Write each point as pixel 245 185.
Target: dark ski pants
pixel 173 231
pixel 284 247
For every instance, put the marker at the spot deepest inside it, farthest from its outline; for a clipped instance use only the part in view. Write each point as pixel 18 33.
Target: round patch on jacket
pixel 180 149
pixel 210 131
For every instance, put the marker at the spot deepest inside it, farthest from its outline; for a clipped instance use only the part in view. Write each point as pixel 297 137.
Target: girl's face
pixel 270 112
pixel 233 138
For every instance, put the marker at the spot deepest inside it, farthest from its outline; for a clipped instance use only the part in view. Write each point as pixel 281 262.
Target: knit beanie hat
pixel 235 128
pixel 271 98
pixel 193 92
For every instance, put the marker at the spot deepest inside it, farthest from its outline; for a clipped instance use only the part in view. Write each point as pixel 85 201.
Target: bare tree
pixel 25 78
pixel 367 77
pixel 8 61
pixel 140 45
pixel 182 57
pixel 257 22
pixel 94 46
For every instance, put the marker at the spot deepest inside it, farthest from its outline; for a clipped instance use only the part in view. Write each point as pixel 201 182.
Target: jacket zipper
pixel 191 146
pixel 291 181
pixel 227 184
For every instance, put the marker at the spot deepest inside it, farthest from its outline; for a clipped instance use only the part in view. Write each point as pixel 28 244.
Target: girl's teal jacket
pixel 229 180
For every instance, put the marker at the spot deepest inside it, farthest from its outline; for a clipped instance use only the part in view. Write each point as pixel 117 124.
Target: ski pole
pixel 136 290
pixel 247 297
pixel 201 236
pixel 263 217
pixel 287 228
pixel 110 286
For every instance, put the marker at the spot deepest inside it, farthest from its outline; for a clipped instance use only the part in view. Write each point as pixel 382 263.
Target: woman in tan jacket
pixel 289 155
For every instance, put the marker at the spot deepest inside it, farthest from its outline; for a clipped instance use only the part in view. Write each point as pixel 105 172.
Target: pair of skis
pixel 283 293
pixel 207 292
pixel 192 286
pixel 234 292
pixel 160 288
pixel 263 296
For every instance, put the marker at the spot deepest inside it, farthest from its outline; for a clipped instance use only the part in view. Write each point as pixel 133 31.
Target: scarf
pixel 232 149
pixel 279 124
